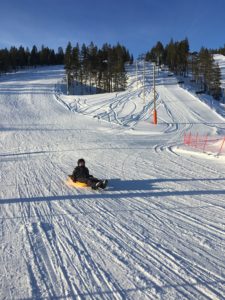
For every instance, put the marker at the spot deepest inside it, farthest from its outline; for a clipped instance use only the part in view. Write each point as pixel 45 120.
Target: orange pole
pixel 221 147
pixel 155 117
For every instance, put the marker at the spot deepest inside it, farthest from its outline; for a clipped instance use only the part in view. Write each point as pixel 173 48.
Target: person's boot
pixel 98 184
pixel 95 185
pixel 104 184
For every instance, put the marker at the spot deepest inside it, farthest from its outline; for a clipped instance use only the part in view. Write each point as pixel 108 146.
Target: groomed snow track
pixel 157 232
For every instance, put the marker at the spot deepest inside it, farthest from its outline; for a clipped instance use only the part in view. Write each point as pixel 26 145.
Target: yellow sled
pixel 77 184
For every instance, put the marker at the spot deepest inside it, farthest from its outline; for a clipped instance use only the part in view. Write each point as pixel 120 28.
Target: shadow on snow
pixel 125 292
pixel 119 189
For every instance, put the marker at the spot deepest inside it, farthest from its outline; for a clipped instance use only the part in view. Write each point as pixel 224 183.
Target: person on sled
pixel 81 174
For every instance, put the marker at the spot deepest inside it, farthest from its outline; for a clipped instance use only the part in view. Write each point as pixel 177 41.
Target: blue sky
pixel 136 24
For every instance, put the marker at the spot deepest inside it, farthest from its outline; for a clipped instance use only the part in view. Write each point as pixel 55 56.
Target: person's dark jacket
pixel 81 173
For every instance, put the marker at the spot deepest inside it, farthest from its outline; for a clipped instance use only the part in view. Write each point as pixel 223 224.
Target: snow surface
pixel 157 232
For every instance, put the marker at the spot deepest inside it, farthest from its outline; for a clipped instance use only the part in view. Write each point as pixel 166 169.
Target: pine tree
pixel 4 61
pixel 34 61
pixel 60 56
pixel 131 60
pixel 75 64
pixel 22 57
pixel 207 72
pixel 52 57
pixel 205 67
pixel 13 53
pixel 182 56
pixel 92 63
pixel 215 86
pixel 68 58
pixel 84 63
pixel 44 55
pixel 68 64
pixel 171 55
pixel 156 54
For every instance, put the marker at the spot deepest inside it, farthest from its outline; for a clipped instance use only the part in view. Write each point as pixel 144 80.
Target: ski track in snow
pixel 157 232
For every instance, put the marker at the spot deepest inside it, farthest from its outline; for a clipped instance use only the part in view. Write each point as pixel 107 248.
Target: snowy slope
pixel 157 232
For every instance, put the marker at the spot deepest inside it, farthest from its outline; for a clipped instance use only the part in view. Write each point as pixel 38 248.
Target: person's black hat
pixel 81 160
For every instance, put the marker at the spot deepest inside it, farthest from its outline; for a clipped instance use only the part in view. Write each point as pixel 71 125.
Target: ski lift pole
pixel 67 82
pixel 158 63
pixel 154 99
pixel 144 82
pixel 137 73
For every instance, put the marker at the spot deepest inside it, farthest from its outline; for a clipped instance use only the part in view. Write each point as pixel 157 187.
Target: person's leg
pixel 92 182
pixel 83 180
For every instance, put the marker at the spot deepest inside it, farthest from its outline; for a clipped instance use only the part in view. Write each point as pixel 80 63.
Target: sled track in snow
pixel 113 111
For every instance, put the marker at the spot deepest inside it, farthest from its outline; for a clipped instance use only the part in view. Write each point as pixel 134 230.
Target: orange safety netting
pixel 205 143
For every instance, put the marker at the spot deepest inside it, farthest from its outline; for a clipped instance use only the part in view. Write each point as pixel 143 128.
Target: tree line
pixel 201 65
pixel 206 72
pixel 100 68
pixel 220 50
pixel 16 58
